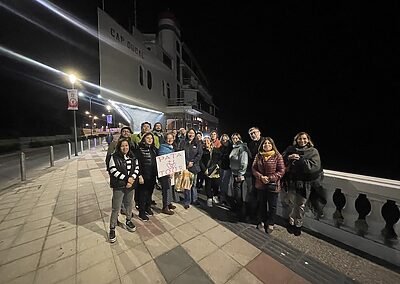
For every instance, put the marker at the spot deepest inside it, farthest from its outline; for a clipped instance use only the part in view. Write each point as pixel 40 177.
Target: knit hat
pixel 126 127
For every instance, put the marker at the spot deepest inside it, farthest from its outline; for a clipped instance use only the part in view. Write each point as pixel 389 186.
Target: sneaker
pixel 149 212
pixel 130 226
pixel 260 226
pixel 270 229
pixel 112 236
pixel 186 206
pixel 143 216
pixel 297 231
pixel 171 206
pixel 167 211
pixel 216 199
pixel 210 202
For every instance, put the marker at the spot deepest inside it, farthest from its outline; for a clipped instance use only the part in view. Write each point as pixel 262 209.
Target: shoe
pixel 143 216
pixel 216 199
pixel 130 226
pixel 149 212
pixel 269 229
pixel 186 206
pixel 137 207
pixel 290 229
pixel 171 206
pixel 209 202
pixel 112 236
pixel 153 202
pixel 297 231
pixel 167 211
pixel 260 226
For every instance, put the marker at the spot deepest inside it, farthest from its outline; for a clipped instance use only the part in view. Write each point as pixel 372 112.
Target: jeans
pixel 121 195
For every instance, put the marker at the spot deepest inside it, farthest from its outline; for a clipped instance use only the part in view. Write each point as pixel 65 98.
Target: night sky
pixel 330 69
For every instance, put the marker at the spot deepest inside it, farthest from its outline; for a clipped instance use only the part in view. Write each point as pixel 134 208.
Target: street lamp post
pixel 72 79
pixel 90 109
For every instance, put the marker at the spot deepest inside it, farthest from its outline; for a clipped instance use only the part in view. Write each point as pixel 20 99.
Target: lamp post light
pixel 81 94
pixel 72 79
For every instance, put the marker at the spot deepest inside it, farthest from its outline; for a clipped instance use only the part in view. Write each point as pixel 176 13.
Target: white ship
pixel 153 77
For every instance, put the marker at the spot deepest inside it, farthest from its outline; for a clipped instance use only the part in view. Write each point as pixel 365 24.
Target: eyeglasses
pixel 254 132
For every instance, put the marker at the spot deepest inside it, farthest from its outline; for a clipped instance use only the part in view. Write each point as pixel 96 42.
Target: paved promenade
pixel 54 230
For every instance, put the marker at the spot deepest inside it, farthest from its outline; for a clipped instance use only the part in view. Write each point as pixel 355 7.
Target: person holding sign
pixel 193 152
pixel 165 181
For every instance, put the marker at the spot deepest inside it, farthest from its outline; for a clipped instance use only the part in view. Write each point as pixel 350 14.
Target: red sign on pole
pixel 72 99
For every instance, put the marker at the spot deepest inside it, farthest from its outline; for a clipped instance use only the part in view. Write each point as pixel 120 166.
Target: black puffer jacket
pixel 147 161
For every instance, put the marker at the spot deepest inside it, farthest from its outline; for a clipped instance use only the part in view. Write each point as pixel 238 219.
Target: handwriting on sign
pixel 171 163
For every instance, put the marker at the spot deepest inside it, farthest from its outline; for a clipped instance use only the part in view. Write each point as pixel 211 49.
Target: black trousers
pixel 267 202
pixel 212 186
pixel 145 193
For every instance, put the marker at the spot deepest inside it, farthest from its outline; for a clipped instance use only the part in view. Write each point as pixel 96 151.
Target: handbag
pixel 213 171
pixel 272 186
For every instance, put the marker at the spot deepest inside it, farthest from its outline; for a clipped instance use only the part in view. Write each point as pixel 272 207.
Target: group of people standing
pixel 248 178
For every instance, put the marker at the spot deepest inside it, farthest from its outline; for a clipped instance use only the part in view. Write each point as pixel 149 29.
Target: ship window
pixel 149 80
pixel 141 75
pixel 168 91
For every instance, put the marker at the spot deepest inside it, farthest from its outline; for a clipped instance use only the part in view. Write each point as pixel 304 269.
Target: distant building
pixel 153 77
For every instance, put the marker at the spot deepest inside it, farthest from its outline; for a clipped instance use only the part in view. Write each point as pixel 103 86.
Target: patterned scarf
pixel 267 155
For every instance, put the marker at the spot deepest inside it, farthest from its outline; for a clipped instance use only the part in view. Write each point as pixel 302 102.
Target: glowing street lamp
pixel 81 94
pixel 73 104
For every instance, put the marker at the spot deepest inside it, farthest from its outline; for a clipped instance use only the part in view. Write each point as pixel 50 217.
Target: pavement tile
pixel 24 279
pixel 91 239
pixel 21 251
pixel 19 267
pixel 184 232
pixel 172 221
pixel 193 275
pixel 6 243
pixel 57 252
pixel 131 258
pixel 27 236
pixel 89 217
pixel 160 244
pixel 173 263
pixel 219 266
pixel 268 270
pixel 244 276
pixel 219 235
pixel 93 255
pixel 17 215
pixel 12 223
pixel 241 250
pixel 146 274
pixel 60 209
pixel 101 273
pixel 60 238
pixel 199 247
pixel 203 223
